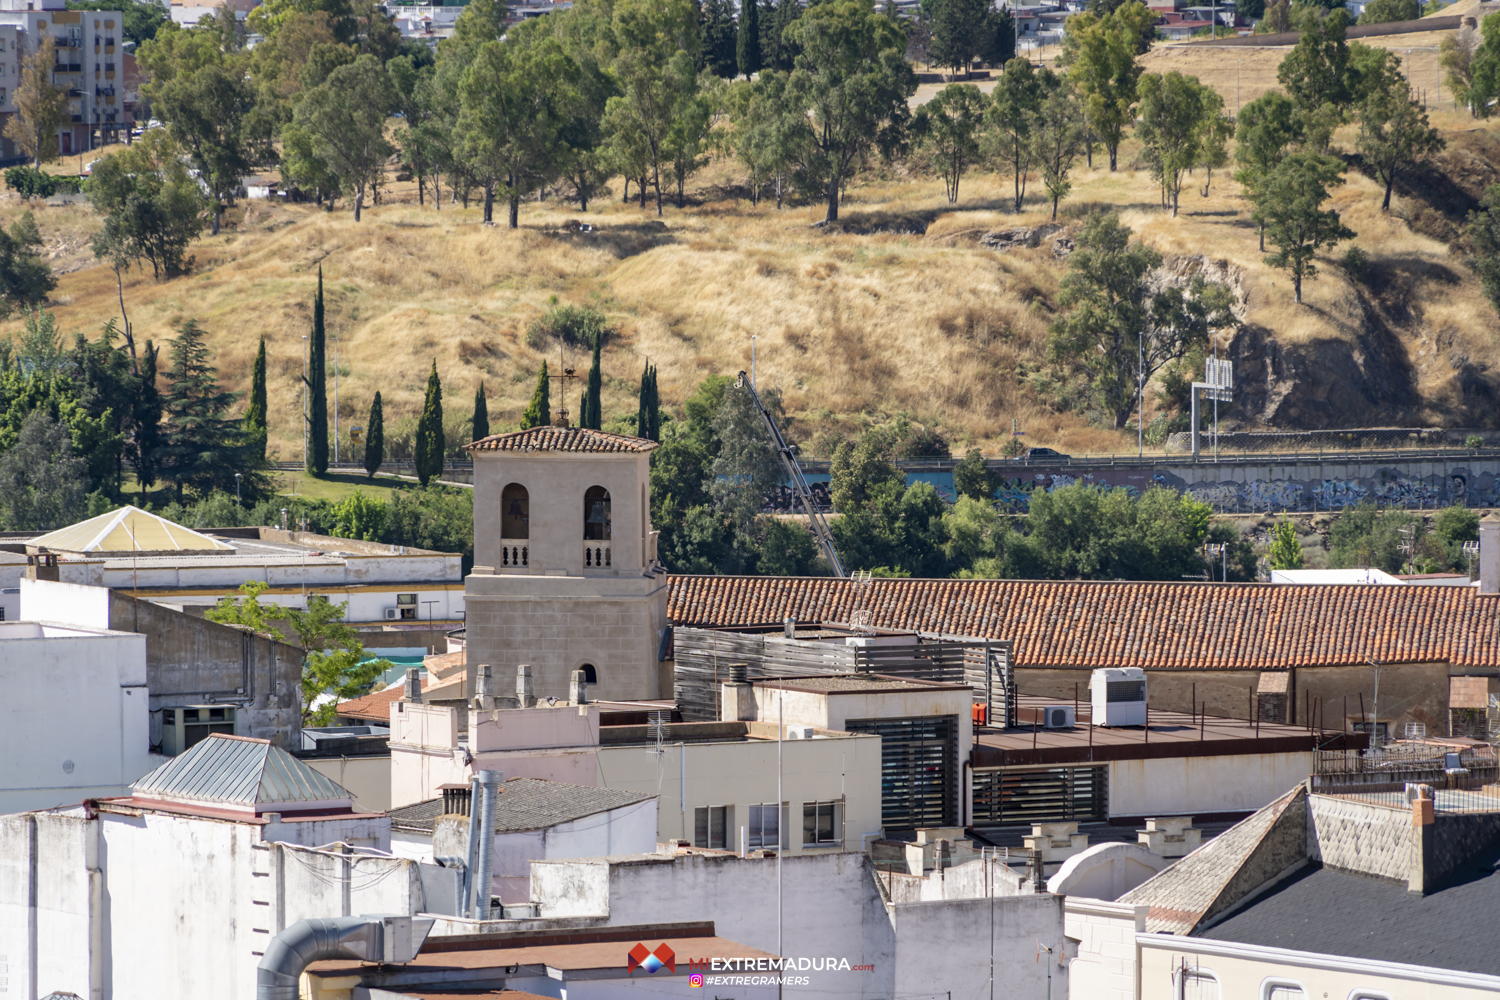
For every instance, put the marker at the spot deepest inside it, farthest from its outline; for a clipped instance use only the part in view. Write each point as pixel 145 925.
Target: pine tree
pixel 430 446
pixel 317 379
pixel 748 49
pixel 481 415
pixel 590 413
pixel 255 413
pixel 375 438
pixel 147 421
pixel 200 448
pixel 539 410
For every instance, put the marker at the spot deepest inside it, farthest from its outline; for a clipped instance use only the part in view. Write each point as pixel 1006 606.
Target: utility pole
pixel 335 401
pixel 306 423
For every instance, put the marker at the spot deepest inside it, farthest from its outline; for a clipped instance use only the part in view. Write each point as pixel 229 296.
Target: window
pixel 590 675
pixel 1197 984
pixel 820 824
pixel 515 512
pixel 407 605
pixel 596 521
pixel 764 829
pixel 710 826
pixel 1381 730
pixel 1282 989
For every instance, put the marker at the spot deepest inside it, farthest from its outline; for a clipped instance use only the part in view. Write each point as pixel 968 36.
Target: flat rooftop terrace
pixel 1168 734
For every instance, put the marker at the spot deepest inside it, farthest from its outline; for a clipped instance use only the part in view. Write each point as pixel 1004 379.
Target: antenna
pixel 568 375
pixel 860 616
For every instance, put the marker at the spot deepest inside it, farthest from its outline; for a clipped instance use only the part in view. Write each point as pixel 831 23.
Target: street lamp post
pixel 335 401
pixel 237 478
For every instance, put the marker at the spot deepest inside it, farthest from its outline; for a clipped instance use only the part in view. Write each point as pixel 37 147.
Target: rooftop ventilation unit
pixel 1057 717
pixel 1118 696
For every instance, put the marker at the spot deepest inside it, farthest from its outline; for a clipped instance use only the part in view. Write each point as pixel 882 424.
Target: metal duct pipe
pixel 470 855
pixel 484 844
pixel 368 939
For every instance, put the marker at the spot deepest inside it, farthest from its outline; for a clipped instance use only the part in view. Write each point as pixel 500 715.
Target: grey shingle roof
pixel 1330 912
pixel 528 804
pixel 238 772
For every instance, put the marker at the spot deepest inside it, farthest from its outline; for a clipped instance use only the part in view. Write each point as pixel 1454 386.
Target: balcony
pixel 596 556
pixel 70 67
pixel 514 556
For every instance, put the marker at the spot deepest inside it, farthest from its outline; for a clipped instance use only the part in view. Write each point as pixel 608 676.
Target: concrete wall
pixel 1184 786
pixel 191 661
pixel 1243 970
pixel 556 613
pixel 166 906
pixel 74 721
pixel 949 946
pixel 367 778
pixel 1104 935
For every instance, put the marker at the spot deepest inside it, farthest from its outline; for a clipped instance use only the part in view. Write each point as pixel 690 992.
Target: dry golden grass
pixel 852 325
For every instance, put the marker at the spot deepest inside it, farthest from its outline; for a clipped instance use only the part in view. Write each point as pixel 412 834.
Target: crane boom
pixel 799 482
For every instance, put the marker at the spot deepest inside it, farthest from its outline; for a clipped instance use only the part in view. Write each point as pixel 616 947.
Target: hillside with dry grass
pixel 900 307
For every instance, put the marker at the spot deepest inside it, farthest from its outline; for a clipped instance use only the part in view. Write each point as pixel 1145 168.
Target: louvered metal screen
pixel 918 763
pixel 1040 795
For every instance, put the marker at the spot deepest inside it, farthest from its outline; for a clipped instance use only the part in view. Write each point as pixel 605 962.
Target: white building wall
pixel 73 603
pixel 1104 934
pixel 945 948
pixel 1187 786
pixel 75 719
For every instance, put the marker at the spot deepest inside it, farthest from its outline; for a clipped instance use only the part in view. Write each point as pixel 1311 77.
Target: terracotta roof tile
pixel 1156 625
pixel 561 439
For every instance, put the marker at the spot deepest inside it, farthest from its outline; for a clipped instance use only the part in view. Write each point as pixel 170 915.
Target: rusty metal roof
pixel 240 772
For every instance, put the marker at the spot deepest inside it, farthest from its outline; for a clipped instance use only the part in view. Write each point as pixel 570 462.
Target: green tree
pixel 971 477
pixel 143 18
pixel 768 141
pixel 1384 11
pixel 481 426
pixel 211 113
pixel 747 45
pixel 244 610
pixel 375 438
pixel 516 103
pixel 344 120
pixel 958 28
pixel 430 445
pixel 1291 203
pixel 1116 334
pixel 1484 236
pixel 590 411
pixel 1394 135
pixel 858 471
pixel 41 105
pixel 777 50
pixel 853 80
pixel 1014 108
pixel 1472 59
pixel 25 279
pixel 539 410
pixel 1286 551
pixel 948 128
pixel 1316 73
pixel 1269 128
pixel 255 420
pixel 336 662
pixel 648 412
pixel 152 208
pixel 1100 53
pixel 655 66
pixel 1177 114
pixel 317 385
pixel 720 38
pixel 1365 537
pixel 146 410
pixel 201 447
pixel 41 480
pixel 1057 138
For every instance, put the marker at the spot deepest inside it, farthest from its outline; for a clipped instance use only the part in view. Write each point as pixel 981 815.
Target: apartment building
pixel 89 63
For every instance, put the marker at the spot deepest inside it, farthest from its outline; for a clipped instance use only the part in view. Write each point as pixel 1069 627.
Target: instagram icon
pixel 696 979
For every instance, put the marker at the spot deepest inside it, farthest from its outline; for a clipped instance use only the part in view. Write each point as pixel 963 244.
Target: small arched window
pixel 596 523
pixel 515 512
pixel 589 674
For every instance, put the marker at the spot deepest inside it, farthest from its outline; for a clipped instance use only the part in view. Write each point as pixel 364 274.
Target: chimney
pixel 484 687
pixel 578 688
pixel 1489 554
pixel 789 627
pixel 42 565
pixel 525 695
pixel 413 685
pixel 737 701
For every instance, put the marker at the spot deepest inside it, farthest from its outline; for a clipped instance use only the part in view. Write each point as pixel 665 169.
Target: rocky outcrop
pixel 1018 236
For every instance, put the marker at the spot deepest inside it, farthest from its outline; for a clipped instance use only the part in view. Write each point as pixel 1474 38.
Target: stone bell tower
pixel 566 575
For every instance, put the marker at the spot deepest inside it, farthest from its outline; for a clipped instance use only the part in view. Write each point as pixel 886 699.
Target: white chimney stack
pixel 1489 554
pixel 525 696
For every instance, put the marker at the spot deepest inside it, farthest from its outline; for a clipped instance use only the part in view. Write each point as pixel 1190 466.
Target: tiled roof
pixel 561 439
pixel 240 773
pixel 528 804
pixel 1156 625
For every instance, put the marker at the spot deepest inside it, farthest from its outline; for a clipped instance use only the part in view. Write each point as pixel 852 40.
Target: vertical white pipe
pixel 781 821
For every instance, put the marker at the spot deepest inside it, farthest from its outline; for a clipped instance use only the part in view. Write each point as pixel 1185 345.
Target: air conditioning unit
pixel 799 732
pixel 1118 696
pixel 1057 717
pixel 392 614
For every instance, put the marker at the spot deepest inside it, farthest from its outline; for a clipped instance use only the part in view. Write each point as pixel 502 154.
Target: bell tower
pixel 566 576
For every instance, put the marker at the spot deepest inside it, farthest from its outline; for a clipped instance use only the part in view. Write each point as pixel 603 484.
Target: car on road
pixel 1041 455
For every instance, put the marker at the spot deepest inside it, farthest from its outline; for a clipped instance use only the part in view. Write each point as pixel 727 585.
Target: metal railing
pixel 1462 778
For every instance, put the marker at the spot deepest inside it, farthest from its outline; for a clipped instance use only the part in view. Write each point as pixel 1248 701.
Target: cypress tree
pixel 481 415
pixel 255 413
pixel 655 410
pixel 539 410
pixel 375 438
pixel 648 415
pixel 430 446
pixel 748 47
pixel 590 414
pixel 317 379
pixel 147 420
